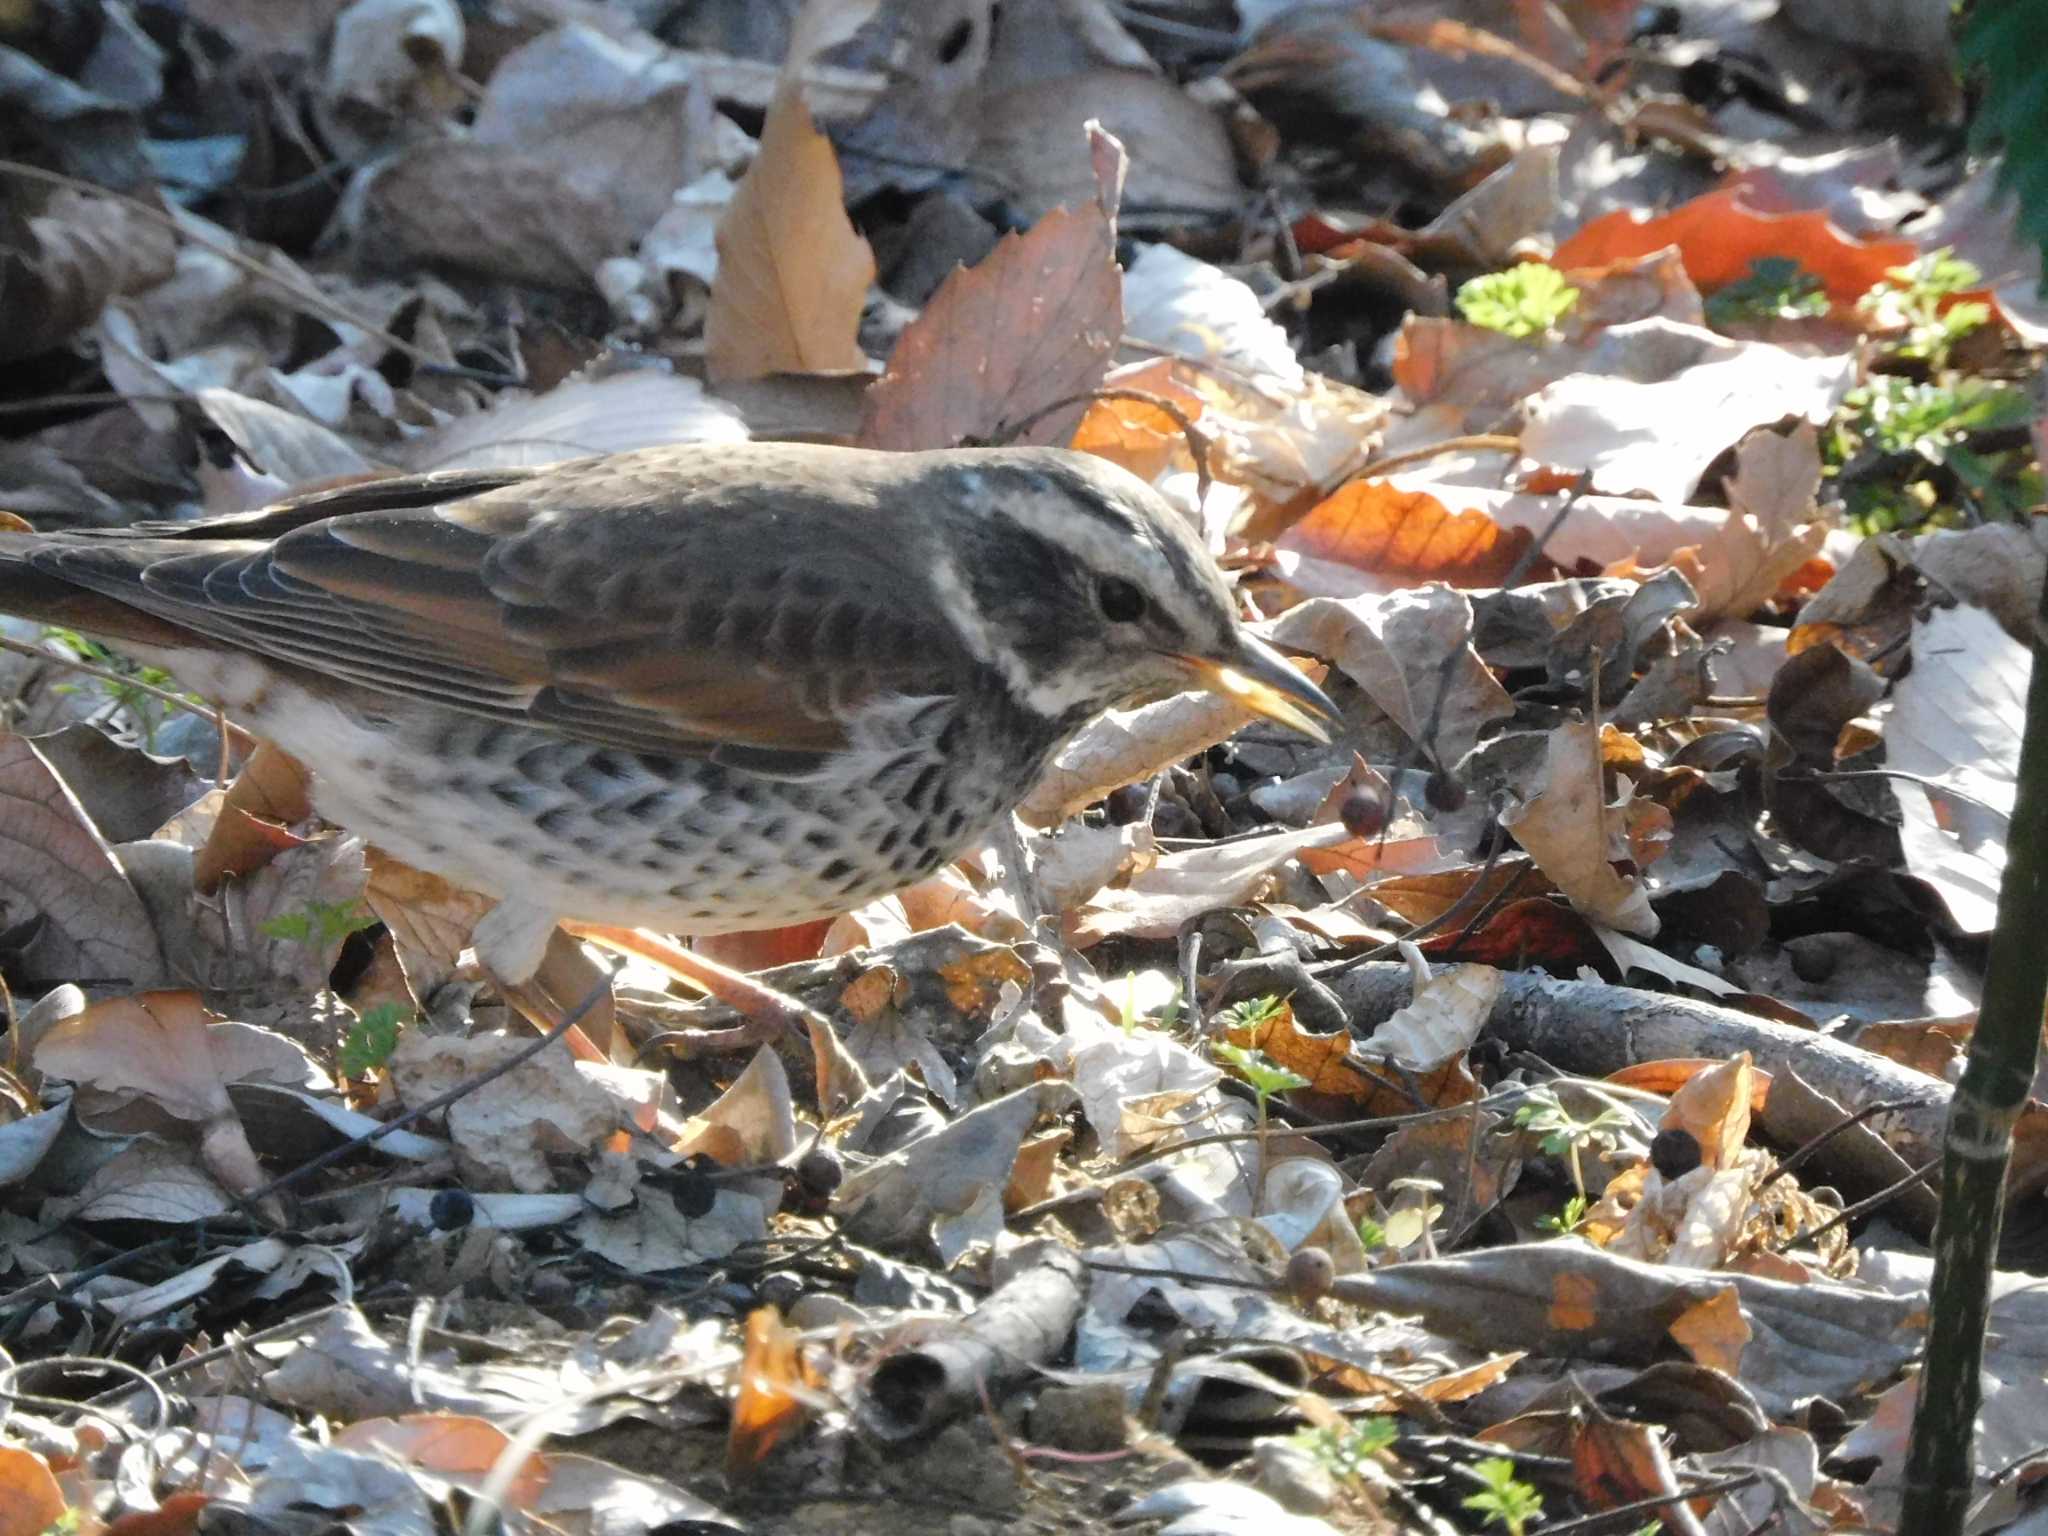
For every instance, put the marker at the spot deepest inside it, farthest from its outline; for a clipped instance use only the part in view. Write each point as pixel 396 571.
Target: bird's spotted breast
pixel 670 842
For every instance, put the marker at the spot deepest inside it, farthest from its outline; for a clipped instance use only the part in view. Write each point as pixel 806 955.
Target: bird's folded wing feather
pixel 728 627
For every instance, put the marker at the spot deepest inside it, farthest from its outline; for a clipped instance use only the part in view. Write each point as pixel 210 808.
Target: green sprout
pixel 1525 300
pixel 1506 1499
pixel 1566 1220
pixel 1777 288
pixel 135 690
pixel 1564 1136
pixel 372 1038
pixel 1912 298
pixel 1267 1077
pixel 319 923
pixel 1934 423
pixel 1345 1451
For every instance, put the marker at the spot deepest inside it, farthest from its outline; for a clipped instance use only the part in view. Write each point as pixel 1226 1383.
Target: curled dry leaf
pixel 60 872
pixel 1955 722
pixel 165 1049
pixel 1411 652
pixel 1127 746
pixel 1442 1022
pixel 271 793
pixel 1379 537
pixel 793 272
pixel 1565 828
pixel 1032 324
pixel 1177 886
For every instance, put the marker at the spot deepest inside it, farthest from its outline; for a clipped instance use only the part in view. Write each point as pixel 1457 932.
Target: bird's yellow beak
pixel 1262 680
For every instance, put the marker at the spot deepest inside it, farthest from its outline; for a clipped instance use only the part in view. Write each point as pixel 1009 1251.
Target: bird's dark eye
pixel 1119 600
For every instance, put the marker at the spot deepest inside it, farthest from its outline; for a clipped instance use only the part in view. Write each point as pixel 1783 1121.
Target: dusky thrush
pixel 695 688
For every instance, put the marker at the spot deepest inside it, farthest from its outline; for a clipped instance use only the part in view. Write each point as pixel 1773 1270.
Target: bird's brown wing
pixel 756 620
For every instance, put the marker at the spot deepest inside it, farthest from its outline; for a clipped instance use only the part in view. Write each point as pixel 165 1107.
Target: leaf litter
pixel 1532 1090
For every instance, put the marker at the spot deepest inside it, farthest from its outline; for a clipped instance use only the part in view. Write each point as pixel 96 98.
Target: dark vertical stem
pixel 1978 1149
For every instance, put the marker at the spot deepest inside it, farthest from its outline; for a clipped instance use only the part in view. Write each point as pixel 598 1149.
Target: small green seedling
pixel 371 1039
pixel 1911 298
pixel 136 691
pixel 1525 300
pixel 1566 1137
pixel 1267 1077
pixel 1506 1499
pixel 1567 1220
pixel 1777 288
pixel 1344 1451
pixel 319 923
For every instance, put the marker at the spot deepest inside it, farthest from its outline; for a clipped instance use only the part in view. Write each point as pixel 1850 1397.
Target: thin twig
pixel 1870 1203
pixel 439 1102
pixel 175 700
pixel 1471 442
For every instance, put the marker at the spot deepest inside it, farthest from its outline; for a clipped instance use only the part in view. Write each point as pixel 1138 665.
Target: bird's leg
pixel 772 1013
pixel 542 973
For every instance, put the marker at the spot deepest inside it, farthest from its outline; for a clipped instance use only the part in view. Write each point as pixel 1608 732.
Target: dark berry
pixel 1674 1152
pixel 1814 958
pixel 451 1208
pixel 780 1290
pixel 1127 805
pixel 1310 1274
pixel 694 1193
pixel 1364 812
pixel 1443 791
pixel 819 1171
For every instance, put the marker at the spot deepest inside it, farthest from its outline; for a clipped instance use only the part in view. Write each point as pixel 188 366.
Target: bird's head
pixel 1085 590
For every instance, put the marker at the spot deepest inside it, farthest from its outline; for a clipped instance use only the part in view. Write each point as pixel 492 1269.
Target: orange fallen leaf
pixel 1375 526
pixel 774 1383
pixel 271 793
pixel 1719 235
pixel 30 1500
pixel 1714 1331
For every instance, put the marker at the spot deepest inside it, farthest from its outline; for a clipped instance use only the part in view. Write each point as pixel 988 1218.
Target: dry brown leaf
pixel 1775 526
pixel 1142 438
pixel 77 254
pixel 1441 1023
pixel 1325 1060
pixel 271 793
pixel 1408 650
pixel 459 1447
pixel 165 1049
pixel 1424 898
pixel 59 871
pixel 1955 721
pixel 793 272
pixel 1565 828
pixel 1030 141
pixel 1031 325
pixel 1714 1332
pixel 1714 1109
pixel 1657 437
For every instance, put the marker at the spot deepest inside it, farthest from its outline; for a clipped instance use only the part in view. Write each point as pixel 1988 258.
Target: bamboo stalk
pixel 1977 1150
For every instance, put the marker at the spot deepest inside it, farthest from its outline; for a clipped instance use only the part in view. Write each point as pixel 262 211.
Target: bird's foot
pixel 770 1014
